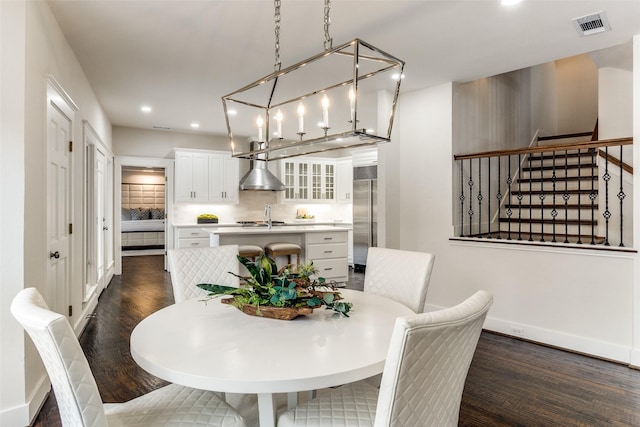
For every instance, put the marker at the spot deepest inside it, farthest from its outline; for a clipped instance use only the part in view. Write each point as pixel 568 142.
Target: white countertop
pixel 341 224
pixel 277 229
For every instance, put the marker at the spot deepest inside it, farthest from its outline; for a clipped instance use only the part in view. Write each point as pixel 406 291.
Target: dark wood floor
pixel 510 382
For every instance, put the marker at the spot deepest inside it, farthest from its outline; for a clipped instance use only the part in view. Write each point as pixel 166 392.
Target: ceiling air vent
pixel 593 23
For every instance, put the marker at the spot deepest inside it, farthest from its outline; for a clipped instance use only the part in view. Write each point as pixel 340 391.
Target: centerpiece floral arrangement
pixel 282 294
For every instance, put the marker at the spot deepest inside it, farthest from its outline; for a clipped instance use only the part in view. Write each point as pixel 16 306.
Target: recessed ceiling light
pixel 509 2
pixel 195 125
pixel 145 109
pixel 232 112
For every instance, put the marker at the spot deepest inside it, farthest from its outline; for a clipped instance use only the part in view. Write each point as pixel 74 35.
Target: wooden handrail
pixel 547 148
pixel 609 158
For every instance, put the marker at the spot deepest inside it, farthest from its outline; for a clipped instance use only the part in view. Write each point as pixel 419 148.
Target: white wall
pixel 635 353
pixel 12 172
pixel 577 85
pixel 580 300
pixel 40 50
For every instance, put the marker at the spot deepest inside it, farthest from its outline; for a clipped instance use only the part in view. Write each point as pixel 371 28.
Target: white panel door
pixel 100 224
pixel 58 208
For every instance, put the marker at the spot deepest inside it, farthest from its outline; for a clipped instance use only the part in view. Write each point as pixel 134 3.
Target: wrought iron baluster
pixel 579 197
pixel 592 197
pixel 509 211
pixel 566 197
pixel 541 196
pixel 461 198
pixel 489 198
pixel 470 183
pixel 554 211
pixel 607 213
pixel 479 197
pixel 530 201
pixel 520 199
pixel 499 196
pixel 621 197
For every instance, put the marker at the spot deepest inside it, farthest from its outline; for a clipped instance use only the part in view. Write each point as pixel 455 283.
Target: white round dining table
pixel 215 346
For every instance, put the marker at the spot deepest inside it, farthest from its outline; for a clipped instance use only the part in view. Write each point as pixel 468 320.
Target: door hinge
pixel 71 146
pixel 70 310
pixel 166 179
pixel 70 228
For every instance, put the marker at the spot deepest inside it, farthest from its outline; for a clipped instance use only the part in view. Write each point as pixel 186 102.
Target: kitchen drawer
pixel 329 250
pixel 329 237
pixel 192 233
pixel 193 243
pixel 332 269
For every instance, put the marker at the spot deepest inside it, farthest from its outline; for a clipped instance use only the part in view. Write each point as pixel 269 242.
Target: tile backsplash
pixel 251 207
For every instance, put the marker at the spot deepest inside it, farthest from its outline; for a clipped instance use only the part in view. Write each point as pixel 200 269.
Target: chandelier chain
pixel 277 64
pixel 328 41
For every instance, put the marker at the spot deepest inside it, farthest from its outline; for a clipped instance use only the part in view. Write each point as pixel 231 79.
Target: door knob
pixel 105 228
pixel 55 254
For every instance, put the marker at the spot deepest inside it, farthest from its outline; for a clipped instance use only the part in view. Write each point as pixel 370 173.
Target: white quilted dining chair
pixel 76 391
pixel 191 266
pixel 423 378
pixel 400 275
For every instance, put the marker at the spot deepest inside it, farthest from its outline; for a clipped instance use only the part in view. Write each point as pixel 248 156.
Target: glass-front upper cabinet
pixel 308 180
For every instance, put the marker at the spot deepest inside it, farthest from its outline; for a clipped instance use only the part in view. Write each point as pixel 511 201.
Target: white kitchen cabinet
pixel 344 181
pixel 329 252
pixel 192 177
pixel 224 177
pixel 295 177
pixel 323 181
pixel 309 180
pixel 194 237
pixel 206 176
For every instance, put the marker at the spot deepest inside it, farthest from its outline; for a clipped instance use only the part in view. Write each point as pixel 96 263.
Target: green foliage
pixel 291 287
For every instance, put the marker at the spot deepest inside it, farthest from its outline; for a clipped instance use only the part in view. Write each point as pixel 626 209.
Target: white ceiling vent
pixel 593 23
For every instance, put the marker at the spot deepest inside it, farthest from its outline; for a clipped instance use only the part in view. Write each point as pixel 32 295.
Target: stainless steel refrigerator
pixel 365 218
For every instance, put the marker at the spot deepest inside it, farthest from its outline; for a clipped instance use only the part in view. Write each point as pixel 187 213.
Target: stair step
pixel 559 156
pixel 569 178
pixel 583 223
pixel 558 206
pixel 539 237
pixel 560 167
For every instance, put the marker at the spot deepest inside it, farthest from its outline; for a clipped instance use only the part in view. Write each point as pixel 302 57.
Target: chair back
pixel 191 266
pixel 400 275
pixel 427 365
pixel 75 388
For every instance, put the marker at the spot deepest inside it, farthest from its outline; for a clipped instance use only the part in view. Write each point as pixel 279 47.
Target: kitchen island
pixel 326 244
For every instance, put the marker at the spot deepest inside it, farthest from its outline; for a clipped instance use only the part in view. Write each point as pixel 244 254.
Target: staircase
pixel 554 197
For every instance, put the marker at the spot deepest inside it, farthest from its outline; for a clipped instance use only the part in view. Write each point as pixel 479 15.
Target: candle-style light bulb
pixel 260 124
pixel 325 110
pixel 352 102
pixel 301 118
pixel 279 118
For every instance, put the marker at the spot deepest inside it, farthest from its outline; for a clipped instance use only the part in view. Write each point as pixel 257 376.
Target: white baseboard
pixel 580 344
pixel 634 357
pixel 25 414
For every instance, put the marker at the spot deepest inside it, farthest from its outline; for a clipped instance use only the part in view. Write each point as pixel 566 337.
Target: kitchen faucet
pixel 267 215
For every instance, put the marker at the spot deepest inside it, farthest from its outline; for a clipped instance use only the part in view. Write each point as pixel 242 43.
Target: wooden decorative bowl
pixel 280 313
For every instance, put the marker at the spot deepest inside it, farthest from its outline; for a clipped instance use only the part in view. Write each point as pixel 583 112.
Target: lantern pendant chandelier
pixel 343 97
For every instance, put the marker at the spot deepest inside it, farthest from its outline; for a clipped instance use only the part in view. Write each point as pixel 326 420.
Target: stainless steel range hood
pixel 259 178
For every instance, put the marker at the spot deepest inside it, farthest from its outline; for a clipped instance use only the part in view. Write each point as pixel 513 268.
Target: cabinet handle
pixel 328 268
pixel 328 252
pixel 195 244
pixel 195 233
pixel 328 238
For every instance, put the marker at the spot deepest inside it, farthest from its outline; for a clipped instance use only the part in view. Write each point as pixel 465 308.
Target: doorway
pixel 143 191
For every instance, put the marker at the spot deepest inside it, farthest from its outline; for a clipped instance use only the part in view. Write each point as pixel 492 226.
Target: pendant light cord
pixel 277 64
pixel 328 41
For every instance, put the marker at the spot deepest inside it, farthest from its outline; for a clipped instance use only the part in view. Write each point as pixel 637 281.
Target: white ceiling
pixel 181 56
